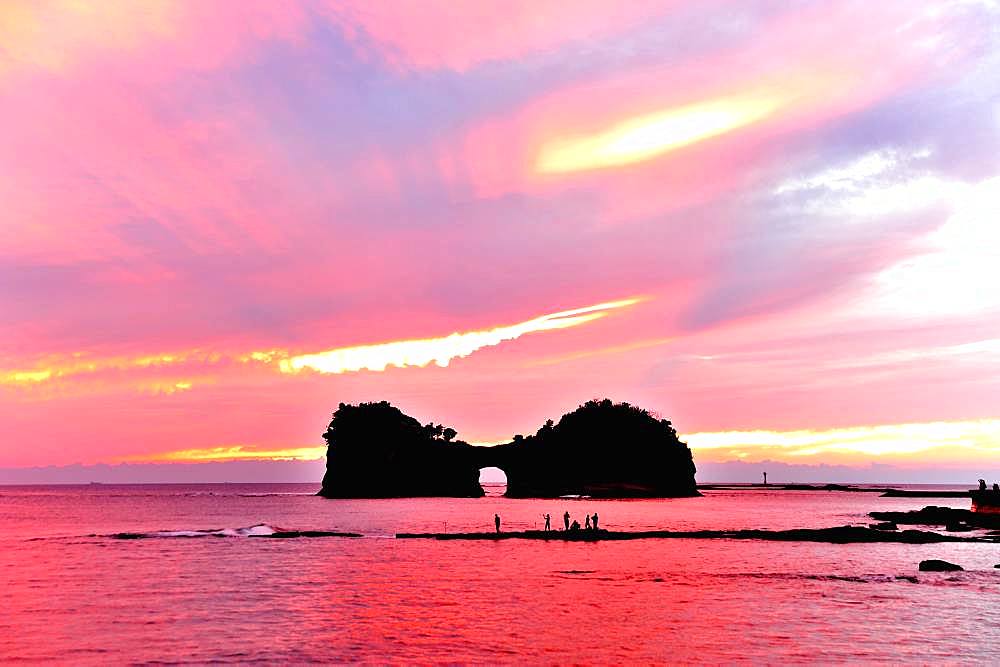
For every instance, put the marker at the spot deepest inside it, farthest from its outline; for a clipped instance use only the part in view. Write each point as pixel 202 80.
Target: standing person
pixel 566 520
pixel 548 524
pixel 595 520
pixel 496 520
pixel 587 524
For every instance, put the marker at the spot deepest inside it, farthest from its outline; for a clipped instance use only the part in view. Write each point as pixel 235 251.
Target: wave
pixel 257 530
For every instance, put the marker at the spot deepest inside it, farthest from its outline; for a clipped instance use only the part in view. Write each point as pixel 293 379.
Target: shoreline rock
pixel 934 565
pixel 835 535
pixel 933 515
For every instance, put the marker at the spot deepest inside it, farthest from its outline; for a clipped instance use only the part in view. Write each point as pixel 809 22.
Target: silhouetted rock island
pixel 602 449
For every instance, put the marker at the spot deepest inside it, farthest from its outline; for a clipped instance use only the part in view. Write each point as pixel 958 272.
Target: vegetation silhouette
pixel 601 449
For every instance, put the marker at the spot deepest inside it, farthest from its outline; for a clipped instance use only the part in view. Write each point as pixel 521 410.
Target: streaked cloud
pixel 61 367
pixel 646 137
pixel 440 351
pixel 374 357
pixel 230 453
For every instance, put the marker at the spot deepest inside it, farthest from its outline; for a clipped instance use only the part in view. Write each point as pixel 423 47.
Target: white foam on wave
pixel 260 529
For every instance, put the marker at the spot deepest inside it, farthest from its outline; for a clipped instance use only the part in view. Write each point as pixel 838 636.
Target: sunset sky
pixel 775 223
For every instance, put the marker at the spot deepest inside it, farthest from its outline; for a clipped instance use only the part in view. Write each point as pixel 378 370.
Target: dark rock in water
pixel 934 565
pixel 909 493
pixel 940 516
pixel 885 525
pixel 958 527
pixel 602 449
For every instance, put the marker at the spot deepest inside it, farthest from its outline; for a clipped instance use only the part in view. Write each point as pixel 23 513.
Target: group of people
pixel 982 486
pixel 590 524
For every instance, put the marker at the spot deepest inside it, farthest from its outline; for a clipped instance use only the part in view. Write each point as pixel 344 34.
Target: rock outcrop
pixel 602 449
pixel 376 451
pixel 934 565
pixel 953 519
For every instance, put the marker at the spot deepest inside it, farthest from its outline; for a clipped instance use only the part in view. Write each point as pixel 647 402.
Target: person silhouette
pixel 575 526
pixel 595 520
pixel 566 520
pixel 587 524
pixel 982 485
pixel 496 520
pixel 996 487
pixel 548 525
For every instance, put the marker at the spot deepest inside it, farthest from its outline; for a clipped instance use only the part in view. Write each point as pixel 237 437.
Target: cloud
pixel 440 350
pixel 957 442
pixel 372 357
pixel 340 186
pixel 409 33
pixel 231 453
pixel 646 137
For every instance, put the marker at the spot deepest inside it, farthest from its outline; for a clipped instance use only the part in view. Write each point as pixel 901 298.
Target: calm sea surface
pixel 200 590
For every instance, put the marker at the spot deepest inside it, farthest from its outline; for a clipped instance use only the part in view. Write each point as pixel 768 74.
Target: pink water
pixel 71 594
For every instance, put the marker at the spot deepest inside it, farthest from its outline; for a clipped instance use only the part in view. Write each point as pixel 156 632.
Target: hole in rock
pixel 493 481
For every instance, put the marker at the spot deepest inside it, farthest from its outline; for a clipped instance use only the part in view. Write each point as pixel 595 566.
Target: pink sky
pixel 777 226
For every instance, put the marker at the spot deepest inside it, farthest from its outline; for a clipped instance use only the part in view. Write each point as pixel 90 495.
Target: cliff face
pixel 602 449
pixel 375 451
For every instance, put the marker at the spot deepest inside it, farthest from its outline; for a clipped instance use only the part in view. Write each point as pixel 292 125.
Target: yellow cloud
pixel 645 137
pixel 374 357
pixel 231 453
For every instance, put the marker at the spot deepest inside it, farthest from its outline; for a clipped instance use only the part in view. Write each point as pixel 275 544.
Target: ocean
pixel 197 587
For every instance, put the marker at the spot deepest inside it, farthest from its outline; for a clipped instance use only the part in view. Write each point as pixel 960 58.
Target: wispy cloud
pixel 230 453
pixel 439 351
pixel 372 357
pixel 649 136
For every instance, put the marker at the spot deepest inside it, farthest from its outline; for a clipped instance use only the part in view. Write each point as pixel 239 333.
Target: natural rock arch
pixel 602 449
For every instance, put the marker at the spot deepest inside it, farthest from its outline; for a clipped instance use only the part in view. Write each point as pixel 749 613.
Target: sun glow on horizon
pixel 933 442
pixel 645 137
pixel 977 439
